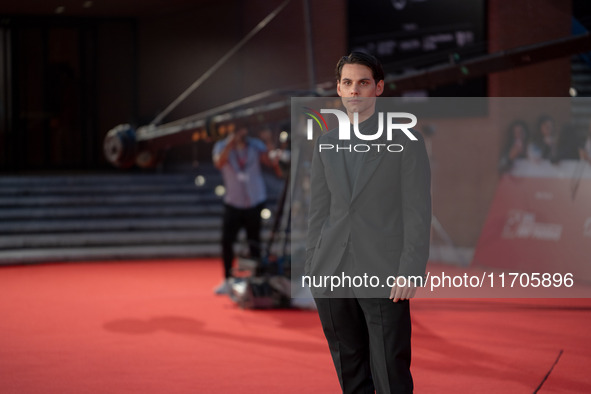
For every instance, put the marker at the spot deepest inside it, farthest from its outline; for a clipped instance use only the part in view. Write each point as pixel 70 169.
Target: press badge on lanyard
pixel 242 176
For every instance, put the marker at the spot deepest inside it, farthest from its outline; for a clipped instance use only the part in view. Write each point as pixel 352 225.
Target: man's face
pixel 358 89
pixel 547 128
pixel 241 133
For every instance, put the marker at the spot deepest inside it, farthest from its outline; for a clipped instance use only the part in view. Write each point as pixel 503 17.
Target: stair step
pixel 102 211
pixel 151 238
pixel 578 66
pixel 113 199
pixel 132 224
pixel 110 178
pixel 8 190
pixel 38 255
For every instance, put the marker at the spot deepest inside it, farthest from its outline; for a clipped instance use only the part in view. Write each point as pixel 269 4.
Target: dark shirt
pixel 353 159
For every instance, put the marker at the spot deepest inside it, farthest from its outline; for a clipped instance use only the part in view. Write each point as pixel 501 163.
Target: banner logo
pixel 521 224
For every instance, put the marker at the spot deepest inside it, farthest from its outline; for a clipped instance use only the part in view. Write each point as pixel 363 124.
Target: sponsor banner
pixel 540 224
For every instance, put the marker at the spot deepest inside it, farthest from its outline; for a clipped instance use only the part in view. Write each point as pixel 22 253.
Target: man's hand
pixel 403 292
pixel 221 158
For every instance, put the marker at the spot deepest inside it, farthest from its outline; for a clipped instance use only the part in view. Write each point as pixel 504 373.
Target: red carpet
pixel 156 327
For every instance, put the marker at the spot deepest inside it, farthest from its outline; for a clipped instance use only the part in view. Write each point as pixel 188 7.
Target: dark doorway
pixel 53 73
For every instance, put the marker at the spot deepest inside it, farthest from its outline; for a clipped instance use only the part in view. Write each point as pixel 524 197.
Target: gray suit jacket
pixel 384 217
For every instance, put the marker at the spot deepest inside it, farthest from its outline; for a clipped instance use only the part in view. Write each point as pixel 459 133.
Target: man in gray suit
pixel 370 216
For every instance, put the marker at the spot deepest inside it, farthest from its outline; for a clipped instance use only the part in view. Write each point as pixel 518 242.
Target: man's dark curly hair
pixel 364 59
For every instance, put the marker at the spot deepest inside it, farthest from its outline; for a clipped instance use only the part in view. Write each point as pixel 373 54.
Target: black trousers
pixel 234 220
pixel 369 341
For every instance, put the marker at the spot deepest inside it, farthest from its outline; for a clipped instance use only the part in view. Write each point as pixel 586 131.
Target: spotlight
pixel 573 92
pixel 266 214
pixel 199 180
pixel 220 190
pixel 283 136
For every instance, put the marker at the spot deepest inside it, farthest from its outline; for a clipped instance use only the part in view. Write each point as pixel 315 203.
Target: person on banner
pixel 370 213
pixel 515 147
pixel 239 158
pixel 544 141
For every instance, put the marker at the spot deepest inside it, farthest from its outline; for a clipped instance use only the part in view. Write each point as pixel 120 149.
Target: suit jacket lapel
pixel 340 170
